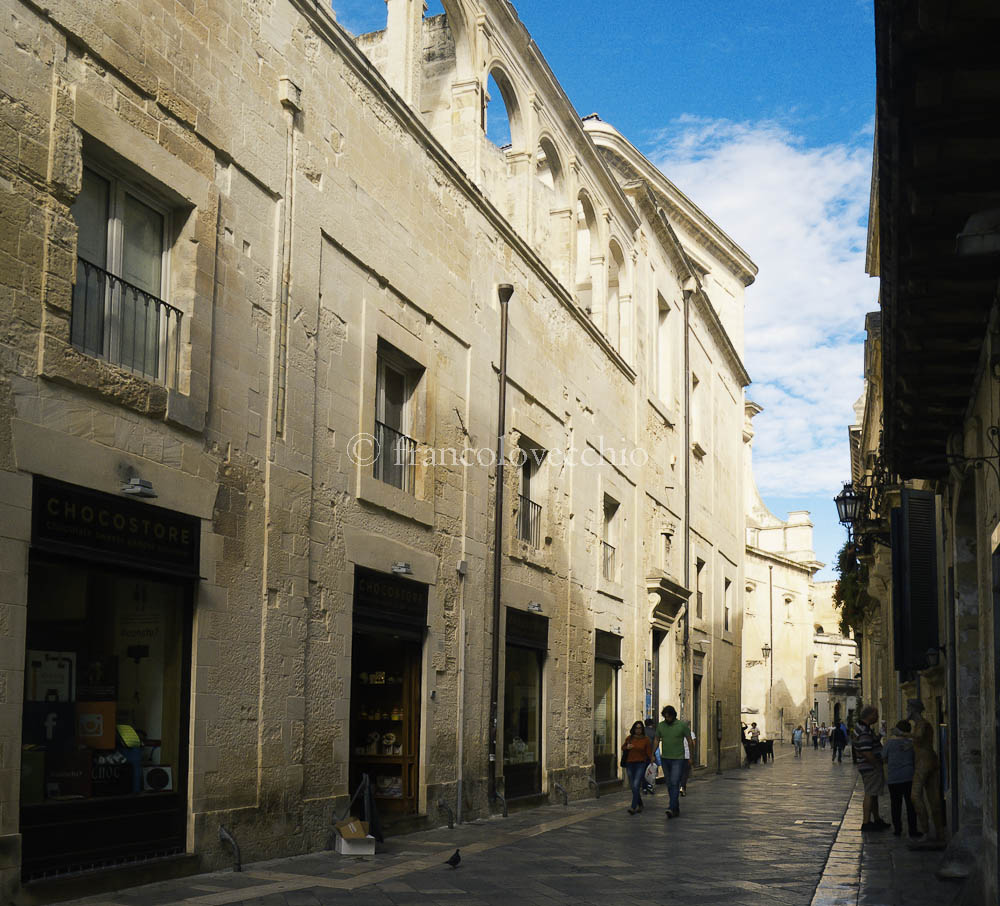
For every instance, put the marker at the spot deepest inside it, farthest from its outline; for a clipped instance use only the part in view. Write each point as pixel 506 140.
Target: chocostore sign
pixel 70 519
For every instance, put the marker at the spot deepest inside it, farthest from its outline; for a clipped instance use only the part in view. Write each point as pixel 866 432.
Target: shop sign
pixel 68 519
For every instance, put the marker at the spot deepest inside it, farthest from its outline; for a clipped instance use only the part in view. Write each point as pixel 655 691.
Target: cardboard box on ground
pixel 353 838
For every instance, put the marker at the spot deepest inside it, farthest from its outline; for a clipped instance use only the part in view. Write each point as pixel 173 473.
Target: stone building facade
pixel 798 668
pixel 924 450
pixel 250 341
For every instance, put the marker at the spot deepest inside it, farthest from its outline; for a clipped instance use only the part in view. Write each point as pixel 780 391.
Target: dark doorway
pixel 527 641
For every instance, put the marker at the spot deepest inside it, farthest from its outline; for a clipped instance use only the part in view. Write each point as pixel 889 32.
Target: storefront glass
pixel 605 722
pixel 522 722
pixel 103 739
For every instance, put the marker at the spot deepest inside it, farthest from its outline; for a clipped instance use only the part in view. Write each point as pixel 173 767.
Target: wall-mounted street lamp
pixel 766 651
pixel 848 505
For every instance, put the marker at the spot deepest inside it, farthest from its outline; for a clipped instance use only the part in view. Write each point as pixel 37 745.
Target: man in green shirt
pixel 670 736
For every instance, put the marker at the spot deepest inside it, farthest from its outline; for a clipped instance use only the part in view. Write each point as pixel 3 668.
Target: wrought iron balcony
pixel 608 562
pixel 837 684
pixel 395 457
pixel 529 521
pixel 124 325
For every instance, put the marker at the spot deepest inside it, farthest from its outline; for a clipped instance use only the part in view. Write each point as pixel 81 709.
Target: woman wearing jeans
pixel 637 752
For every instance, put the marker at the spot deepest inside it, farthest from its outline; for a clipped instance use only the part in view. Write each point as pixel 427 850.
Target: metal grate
pixel 75 868
pixel 125 325
pixel 608 561
pixel 395 457
pixel 529 521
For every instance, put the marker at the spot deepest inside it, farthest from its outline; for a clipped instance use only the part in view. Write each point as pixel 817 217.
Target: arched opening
pixel 818 629
pixel 501 112
pixel 586 242
pixel 551 214
pixel 616 273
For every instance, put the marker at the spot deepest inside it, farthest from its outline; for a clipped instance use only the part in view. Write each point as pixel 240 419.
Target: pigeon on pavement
pixel 454 860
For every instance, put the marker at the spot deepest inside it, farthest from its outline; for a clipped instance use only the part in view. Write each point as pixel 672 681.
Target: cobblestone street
pixel 745 837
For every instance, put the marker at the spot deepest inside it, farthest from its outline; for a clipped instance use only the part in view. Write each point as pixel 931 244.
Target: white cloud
pixel 800 213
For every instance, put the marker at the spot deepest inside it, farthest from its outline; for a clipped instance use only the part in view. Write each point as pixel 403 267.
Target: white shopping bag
pixel 650 777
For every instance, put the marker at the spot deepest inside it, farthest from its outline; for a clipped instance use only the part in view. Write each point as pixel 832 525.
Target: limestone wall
pixel 314 213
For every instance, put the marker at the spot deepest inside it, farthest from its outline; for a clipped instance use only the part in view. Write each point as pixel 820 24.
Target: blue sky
pixel 762 112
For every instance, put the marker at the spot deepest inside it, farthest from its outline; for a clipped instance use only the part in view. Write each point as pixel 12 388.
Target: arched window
pixel 616 274
pixel 586 241
pixel 819 629
pixel 551 222
pixel 501 114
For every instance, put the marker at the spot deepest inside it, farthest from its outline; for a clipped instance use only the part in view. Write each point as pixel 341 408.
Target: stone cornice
pixel 646 201
pixel 807 566
pixel 684 211
pixel 334 34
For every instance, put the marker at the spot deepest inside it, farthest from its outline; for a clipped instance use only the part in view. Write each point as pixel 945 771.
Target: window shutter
pixel 915 586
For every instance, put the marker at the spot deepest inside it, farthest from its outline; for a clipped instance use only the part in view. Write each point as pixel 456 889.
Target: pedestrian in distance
pixel 824 734
pixel 797 740
pixel 868 750
pixel 650 788
pixel 688 758
pixel 815 736
pixel 754 732
pixel 670 736
pixel 838 739
pixel 900 763
pixel 637 753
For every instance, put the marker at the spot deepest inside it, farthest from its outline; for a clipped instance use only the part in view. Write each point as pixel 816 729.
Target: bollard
pixel 596 786
pixel 444 807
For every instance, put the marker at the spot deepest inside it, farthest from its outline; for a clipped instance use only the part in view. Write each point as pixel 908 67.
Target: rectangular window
pixel 529 510
pixel 395 451
pixel 727 599
pixel 609 567
pixel 119 313
pixel 662 368
pixel 699 608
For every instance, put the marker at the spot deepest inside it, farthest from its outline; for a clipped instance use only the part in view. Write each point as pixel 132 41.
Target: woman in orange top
pixel 637 753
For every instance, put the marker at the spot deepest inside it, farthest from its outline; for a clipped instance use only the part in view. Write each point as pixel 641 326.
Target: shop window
pixel 105 716
pixel 527 641
pixel 119 313
pixel 390 616
pixel 395 450
pixel 607 661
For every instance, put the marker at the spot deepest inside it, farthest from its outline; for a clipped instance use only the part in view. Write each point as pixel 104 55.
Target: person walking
pixel 815 735
pixel 868 750
pixel 824 734
pixel 797 740
pixel 838 740
pixel 688 753
pixel 637 753
pixel 670 736
pixel 650 788
pixel 900 763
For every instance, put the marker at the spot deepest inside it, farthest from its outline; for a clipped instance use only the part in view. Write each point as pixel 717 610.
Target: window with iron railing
pixel 608 562
pixel 395 452
pixel 395 457
pixel 119 313
pixel 127 326
pixel 529 521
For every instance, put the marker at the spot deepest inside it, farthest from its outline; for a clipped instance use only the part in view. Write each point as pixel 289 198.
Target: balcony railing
pixel 529 521
pixel 608 561
pixel 837 684
pixel 125 325
pixel 395 457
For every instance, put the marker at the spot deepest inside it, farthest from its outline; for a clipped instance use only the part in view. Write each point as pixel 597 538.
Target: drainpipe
pixel 770 638
pixel 504 292
pixel 687 494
